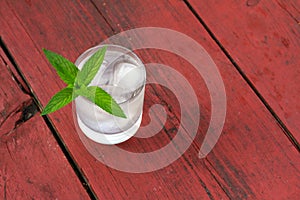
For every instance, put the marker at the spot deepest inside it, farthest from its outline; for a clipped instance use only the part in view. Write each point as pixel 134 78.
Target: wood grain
pixel 12 99
pixel 107 183
pixel 263 38
pixel 32 166
pixel 253 159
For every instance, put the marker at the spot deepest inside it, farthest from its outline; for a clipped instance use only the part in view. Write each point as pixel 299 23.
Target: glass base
pixel 109 138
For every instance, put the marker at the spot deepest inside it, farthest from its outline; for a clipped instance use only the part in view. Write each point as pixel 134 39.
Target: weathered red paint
pixel 253 159
pixel 263 37
pixel 32 165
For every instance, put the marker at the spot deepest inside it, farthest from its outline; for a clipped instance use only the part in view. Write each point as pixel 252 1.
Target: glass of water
pixel 122 75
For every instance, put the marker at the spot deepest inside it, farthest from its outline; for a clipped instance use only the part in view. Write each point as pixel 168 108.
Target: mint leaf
pixel 77 83
pixel 102 99
pixel 90 68
pixel 59 100
pixel 66 70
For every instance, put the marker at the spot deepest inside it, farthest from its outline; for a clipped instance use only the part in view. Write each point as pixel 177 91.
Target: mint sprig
pixel 77 83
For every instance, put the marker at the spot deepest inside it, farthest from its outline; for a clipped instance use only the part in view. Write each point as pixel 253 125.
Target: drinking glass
pixel 122 75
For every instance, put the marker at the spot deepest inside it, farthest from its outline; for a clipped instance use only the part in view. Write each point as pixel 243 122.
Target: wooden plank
pixel 263 38
pixel 234 175
pixel 251 150
pixel 107 183
pixel 32 166
pixel 12 99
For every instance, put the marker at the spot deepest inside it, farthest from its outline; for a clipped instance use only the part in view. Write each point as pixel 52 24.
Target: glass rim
pixel 127 52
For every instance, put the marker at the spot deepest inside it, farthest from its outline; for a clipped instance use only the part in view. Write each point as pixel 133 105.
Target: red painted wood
pixel 32 166
pixel 253 159
pixel 11 97
pixel 263 37
pixel 106 182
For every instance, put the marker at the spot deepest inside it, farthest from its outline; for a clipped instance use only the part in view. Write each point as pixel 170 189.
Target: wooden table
pixel 255 45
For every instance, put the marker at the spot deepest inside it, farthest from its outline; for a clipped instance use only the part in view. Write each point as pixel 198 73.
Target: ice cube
pixel 127 75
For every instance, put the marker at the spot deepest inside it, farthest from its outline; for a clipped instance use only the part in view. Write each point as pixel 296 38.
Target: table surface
pixel 255 46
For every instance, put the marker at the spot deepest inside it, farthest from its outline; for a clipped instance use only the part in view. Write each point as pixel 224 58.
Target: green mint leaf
pixel 77 83
pixel 102 99
pixel 90 68
pixel 66 70
pixel 59 100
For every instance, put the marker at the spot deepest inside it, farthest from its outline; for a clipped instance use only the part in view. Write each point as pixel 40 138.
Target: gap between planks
pixel 243 75
pixel 23 84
